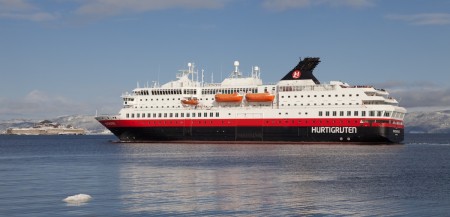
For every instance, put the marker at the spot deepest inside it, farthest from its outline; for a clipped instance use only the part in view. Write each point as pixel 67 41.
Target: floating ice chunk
pixel 79 198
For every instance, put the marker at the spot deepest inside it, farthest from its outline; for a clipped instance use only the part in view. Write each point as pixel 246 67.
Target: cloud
pixel 15 5
pixel 23 10
pixel 281 5
pixel 105 8
pixel 36 16
pixel 38 104
pixel 422 19
pixel 418 94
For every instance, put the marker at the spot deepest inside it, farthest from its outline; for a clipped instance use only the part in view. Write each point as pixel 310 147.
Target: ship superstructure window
pixel 320 113
pixel 355 113
pixel 217 114
pixel 128 115
pixel 166 92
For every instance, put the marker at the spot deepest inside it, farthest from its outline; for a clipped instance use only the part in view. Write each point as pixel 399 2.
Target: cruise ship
pixel 241 109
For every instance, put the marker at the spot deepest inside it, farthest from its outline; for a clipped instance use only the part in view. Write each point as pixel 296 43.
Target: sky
pixel 66 57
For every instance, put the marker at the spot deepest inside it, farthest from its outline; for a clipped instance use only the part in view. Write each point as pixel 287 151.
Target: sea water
pixel 37 174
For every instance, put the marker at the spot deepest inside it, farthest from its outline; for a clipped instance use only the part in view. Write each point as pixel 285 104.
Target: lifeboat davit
pixel 259 97
pixel 235 97
pixel 190 101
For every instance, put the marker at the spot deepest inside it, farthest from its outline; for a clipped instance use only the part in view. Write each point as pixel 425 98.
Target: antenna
pixel 159 69
pixel 236 69
pixel 202 76
pixel 256 72
pixel 221 71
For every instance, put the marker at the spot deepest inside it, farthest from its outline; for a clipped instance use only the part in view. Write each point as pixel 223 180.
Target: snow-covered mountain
pixel 415 122
pixel 428 122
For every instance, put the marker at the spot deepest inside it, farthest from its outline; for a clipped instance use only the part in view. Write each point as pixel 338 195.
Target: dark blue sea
pixel 38 172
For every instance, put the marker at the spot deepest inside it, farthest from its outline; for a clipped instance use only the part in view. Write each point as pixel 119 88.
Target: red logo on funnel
pixel 296 74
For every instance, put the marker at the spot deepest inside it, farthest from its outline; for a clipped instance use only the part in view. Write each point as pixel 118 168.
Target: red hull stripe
pixel 287 122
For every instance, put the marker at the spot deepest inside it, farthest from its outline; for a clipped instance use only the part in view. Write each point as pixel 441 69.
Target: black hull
pixel 261 134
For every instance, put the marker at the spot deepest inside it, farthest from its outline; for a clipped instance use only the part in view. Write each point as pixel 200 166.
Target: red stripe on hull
pixel 287 122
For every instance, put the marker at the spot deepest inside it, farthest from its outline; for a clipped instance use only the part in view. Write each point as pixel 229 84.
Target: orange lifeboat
pixel 259 97
pixel 192 101
pixel 235 97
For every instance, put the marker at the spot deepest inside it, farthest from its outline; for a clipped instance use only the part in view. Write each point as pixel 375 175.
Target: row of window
pixel 308 104
pixel 172 115
pixel 193 91
pixel 363 113
pixel 309 96
pixel 306 88
pixel 216 114
pixel 229 90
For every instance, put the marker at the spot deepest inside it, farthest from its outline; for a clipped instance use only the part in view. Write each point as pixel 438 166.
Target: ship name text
pixel 334 130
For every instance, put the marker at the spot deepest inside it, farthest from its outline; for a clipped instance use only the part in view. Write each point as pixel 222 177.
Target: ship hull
pixel 261 134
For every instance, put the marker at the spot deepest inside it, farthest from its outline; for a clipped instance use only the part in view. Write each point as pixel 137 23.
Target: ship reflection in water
pixel 267 180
